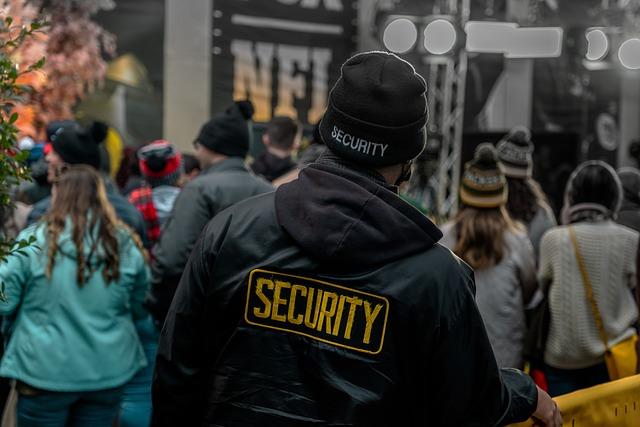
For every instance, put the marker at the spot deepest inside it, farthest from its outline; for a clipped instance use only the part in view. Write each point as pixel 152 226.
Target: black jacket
pixel 395 339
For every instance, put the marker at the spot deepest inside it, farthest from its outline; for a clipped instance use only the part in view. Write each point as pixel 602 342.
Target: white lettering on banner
pixel 313 4
pixel 252 77
pixel 358 144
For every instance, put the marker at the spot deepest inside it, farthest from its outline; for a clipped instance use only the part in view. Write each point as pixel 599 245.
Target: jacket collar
pixel 328 159
pixel 228 164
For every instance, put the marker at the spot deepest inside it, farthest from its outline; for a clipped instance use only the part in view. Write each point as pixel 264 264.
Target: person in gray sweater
pixel 485 236
pixel 574 354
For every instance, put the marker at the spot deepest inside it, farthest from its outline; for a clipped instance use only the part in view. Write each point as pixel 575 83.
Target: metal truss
pixel 437 188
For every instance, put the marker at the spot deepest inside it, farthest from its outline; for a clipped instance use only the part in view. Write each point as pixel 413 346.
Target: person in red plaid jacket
pixel 162 167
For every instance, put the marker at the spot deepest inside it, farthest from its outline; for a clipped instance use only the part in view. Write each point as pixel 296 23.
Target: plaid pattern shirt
pixel 142 200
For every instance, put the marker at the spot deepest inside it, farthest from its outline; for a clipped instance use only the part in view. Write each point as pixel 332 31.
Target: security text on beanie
pixel 358 144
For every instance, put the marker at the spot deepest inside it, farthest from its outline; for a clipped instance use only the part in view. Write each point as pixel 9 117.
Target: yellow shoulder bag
pixel 621 359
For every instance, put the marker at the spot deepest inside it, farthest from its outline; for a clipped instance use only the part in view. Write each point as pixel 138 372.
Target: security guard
pixel 330 302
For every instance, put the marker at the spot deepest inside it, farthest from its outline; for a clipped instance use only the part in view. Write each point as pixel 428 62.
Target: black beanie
pixel 228 132
pixel 377 111
pixel 57 125
pixel 78 146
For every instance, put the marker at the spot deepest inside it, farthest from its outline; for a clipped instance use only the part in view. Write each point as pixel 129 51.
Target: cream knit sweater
pixel 609 251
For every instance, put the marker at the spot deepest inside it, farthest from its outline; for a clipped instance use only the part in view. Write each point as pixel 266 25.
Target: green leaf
pixel 8 20
pixel 13 118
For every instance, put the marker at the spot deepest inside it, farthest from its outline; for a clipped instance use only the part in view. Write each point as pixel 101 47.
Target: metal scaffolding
pixel 446 75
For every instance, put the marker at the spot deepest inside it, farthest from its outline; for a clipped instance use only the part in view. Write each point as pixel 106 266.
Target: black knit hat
pixel 483 184
pixel 228 132
pixel 515 153
pixel 377 111
pixel 78 146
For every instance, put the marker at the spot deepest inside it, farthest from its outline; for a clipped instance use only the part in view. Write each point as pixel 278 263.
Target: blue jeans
pixel 135 409
pixel 75 409
pixel 563 381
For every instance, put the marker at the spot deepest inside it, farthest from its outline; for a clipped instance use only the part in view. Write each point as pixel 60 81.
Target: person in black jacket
pixel 329 301
pixel 281 139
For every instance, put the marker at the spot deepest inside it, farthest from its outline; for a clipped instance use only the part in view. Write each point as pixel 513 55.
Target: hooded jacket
pixel 71 338
pixel 329 302
pixel 215 189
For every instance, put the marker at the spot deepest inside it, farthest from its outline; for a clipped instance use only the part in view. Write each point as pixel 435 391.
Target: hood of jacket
pixel 350 218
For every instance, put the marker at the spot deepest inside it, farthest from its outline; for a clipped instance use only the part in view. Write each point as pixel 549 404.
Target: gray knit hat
pixel 515 153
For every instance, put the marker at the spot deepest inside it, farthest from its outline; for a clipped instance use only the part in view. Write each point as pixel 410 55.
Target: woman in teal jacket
pixel 76 294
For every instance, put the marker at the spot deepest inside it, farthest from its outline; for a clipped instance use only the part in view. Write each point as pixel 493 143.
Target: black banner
pixel 284 55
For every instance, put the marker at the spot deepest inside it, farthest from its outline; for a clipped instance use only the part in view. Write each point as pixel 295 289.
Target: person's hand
pixel 547 412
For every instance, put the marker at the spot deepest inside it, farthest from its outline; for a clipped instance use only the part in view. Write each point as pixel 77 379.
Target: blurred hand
pixel 547 412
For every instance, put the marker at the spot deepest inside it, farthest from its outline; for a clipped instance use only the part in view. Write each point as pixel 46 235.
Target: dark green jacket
pixel 216 188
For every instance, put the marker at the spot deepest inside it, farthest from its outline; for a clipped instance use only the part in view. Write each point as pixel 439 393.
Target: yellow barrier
pixel 612 404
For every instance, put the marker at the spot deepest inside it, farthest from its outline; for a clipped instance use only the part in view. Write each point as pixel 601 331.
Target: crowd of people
pixel 203 269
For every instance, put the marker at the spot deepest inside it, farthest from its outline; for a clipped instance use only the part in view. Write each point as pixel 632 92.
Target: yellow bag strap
pixel 588 288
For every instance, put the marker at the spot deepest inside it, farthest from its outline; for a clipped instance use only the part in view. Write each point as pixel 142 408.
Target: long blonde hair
pixel 480 232
pixel 80 196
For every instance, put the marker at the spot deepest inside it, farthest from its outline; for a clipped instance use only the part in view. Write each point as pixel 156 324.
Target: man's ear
pixel 265 140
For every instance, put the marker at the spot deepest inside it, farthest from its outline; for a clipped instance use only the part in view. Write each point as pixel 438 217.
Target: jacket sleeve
pixel 38 211
pixel 526 269
pixel 188 218
pixel 139 226
pixel 179 388
pixel 464 386
pixel 141 281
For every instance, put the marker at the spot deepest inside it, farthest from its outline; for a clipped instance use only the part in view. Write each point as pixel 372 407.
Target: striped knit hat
pixel 160 163
pixel 483 183
pixel 515 153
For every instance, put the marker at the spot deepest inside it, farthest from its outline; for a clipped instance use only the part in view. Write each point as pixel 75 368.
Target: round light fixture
pixel 439 37
pixel 629 54
pixel 400 35
pixel 597 45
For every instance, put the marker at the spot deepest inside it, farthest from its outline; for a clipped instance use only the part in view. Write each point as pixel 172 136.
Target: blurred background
pixel 568 70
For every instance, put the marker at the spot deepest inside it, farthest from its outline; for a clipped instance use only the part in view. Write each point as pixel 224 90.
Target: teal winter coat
pixel 68 338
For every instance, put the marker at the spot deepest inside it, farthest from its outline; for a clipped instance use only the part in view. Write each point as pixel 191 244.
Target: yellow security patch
pixel 323 311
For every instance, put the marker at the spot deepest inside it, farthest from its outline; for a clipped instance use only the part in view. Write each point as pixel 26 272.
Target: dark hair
pixel 525 198
pixel 594 182
pixel 190 163
pixel 129 167
pixel 282 132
